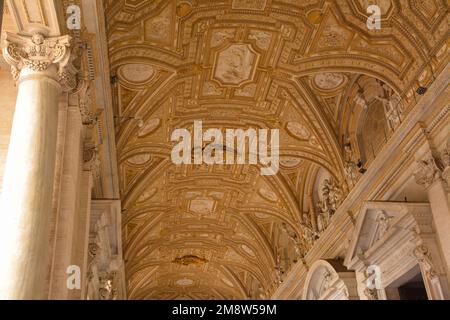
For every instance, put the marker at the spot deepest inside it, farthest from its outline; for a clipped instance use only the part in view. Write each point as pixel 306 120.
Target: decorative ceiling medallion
pixel 183 9
pixel 147 195
pixel 260 215
pixel 268 195
pixel 202 206
pixel 328 81
pixel 235 65
pixel 188 260
pixel 315 16
pixel 135 73
pixel 298 130
pixel 290 162
pixel 184 282
pixel 139 159
pixel 149 127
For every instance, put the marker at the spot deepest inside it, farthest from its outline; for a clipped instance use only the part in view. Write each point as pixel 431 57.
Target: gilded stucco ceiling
pixel 225 231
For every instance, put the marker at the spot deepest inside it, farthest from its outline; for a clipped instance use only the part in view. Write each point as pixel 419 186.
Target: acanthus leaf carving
pixel 427 172
pixel 37 53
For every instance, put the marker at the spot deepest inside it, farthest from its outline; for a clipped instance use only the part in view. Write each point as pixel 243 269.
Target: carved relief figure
pixel 235 64
pixel 299 252
pixel 393 107
pixel 329 80
pixel 383 221
pixel 427 172
pixel 350 166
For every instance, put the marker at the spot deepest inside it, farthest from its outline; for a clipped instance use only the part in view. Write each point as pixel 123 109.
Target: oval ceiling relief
pixel 290 162
pixel 185 282
pixel 149 127
pixel 268 195
pixel 147 195
pixel 136 73
pixel 298 130
pixel 328 81
pixel 227 282
pixel 139 159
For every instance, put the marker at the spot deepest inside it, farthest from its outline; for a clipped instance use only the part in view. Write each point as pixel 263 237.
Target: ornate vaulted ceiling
pixel 198 231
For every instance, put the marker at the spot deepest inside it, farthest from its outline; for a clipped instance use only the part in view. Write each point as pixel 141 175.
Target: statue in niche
pixel 322 220
pixel 350 166
pixel 278 268
pixel 309 234
pixel 360 100
pixel 295 240
pixel 393 107
pixel 332 197
pixel 383 221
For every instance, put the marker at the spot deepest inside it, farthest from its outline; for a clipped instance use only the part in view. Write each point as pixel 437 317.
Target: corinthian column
pixel 429 174
pixel 41 68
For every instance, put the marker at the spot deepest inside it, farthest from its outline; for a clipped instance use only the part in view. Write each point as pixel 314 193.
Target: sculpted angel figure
pixel 295 240
pixel 332 195
pixel 393 107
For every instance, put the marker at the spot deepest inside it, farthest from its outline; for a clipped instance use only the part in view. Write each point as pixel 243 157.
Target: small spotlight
pixel 421 90
pixel 360 165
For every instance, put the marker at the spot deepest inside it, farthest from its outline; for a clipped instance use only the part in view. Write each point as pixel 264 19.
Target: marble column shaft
pixel 26 201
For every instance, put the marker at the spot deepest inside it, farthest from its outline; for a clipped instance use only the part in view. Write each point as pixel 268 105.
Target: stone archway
pixel 330 280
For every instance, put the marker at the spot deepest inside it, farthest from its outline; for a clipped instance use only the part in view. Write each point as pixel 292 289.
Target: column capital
pixel 427 172
pixel 36 54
